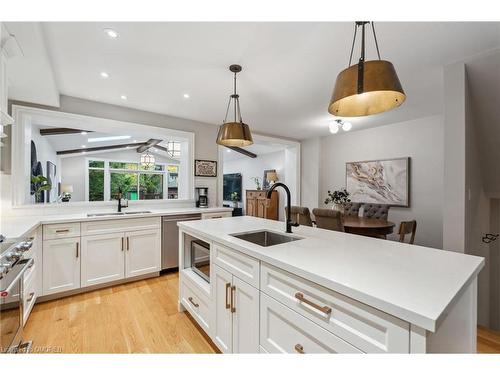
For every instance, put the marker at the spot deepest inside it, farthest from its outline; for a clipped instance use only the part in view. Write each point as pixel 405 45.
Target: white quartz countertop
pixel 414 283
pixel 19 226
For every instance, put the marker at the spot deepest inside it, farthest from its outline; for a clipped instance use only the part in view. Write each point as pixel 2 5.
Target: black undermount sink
pixel 266 238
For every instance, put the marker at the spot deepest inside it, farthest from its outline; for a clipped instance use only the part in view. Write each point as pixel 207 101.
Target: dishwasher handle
pixel 167 219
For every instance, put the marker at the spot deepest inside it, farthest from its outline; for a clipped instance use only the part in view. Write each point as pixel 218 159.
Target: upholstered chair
pixel 376 211
pixel 352 209
pixel 327 218
pixel 300 215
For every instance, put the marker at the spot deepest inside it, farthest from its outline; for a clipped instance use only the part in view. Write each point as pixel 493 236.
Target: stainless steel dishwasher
pixel 170 239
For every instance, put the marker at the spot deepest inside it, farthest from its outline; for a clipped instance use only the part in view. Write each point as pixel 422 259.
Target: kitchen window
pixel 106 177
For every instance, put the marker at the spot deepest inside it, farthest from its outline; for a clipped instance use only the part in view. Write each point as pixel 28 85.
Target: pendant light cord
pixel 353 42
pixel 237 110
pixel 375 37
pixel 356 25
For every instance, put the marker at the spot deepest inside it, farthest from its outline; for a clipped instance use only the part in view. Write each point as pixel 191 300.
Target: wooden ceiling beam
pixel 61 131
pixel 243 151
pixel 148 144
pixel 100 148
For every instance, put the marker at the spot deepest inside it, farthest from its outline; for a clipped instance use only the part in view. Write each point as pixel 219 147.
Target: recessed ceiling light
pixel 135 141
pixel 83 133
pixel 104 139
pixel 111 33
pixel 83 146
pixel 228 150
pixel 346 126
pixel 186 96
pixel 334 128
pixel 104 75
pixel 123 97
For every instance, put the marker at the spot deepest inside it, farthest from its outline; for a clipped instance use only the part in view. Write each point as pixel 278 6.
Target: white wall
pixel 420 139
pixel 249 168
pixel 310 161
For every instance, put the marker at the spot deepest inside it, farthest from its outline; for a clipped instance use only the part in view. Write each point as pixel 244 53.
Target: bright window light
pixel 105 139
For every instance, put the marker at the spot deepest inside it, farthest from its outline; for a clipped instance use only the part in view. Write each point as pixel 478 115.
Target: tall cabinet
pixel 258 205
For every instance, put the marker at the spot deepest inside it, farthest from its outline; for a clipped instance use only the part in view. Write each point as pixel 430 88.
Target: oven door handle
pixel 28 264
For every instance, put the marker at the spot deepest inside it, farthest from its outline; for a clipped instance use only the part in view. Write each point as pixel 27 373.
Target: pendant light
pixel 147 160
pixel 367 88
pixel 235 133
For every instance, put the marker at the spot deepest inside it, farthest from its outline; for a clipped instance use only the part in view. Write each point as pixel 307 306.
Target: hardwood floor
pixel 139 317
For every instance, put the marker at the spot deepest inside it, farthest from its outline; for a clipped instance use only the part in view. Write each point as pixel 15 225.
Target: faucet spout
pixel 288 220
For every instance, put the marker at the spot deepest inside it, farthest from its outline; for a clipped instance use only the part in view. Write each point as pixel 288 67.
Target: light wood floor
pixel 139 317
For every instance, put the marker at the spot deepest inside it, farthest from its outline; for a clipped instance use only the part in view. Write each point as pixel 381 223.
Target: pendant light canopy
pixel 367 88
pixel 234 133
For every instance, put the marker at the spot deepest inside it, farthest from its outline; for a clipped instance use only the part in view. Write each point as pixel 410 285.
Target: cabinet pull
pixel 233 307
pixel 324 309
pixel 190 299
pixel 62 230
pixel 228 305
pixel 299 349
pixel 77 249
pixel 32 294
pixel 128 244
pixel 123 239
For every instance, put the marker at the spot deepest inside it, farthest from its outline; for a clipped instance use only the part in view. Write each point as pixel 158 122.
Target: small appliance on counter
pixel 201 195
pixel 13 265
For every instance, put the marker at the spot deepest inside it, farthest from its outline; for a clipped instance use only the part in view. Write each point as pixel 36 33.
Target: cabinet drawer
pixel 29 295
pixel 29 274
pixel 197 303
pixel 282 330
pixel 66 230
pixel 216 215
pixel 119 225
pixel 366 328
pixel 242 266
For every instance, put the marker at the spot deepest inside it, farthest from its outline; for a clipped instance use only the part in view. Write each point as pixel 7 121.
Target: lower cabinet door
pixel 222 325
pixel 61 265
pixel 282 330
pixel 143 252
pixel 103 258
pixel 245 308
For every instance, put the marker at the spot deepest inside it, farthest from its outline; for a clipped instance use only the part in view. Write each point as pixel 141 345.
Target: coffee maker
pixel 201 195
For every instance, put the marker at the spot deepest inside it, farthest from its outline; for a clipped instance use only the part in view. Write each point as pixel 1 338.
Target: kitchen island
pixel 327 292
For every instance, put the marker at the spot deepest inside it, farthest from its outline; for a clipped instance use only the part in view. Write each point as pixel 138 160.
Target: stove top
pixel 11 252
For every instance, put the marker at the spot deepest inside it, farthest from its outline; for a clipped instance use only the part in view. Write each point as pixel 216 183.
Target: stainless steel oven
pixel 12 269
pixel 200 259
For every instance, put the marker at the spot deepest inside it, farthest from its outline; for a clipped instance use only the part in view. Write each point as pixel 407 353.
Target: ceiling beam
pixel 148 144
pixel 61 131
pixel 243 151
pixel 161 148
pixel 99 148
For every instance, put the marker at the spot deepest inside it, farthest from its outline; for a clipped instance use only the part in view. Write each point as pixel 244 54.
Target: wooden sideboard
pixel 257 205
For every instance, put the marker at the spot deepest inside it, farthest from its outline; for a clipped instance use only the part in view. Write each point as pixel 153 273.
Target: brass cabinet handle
pixel 62 230
pixel 299 349
pixel 324 309
pixel 77 249
pixel 190 299
pixel 233 307
pixel 228 305
pixel 32 294
pixel 128 244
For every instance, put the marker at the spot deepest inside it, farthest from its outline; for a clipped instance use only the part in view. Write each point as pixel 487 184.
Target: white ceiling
pixel 288 74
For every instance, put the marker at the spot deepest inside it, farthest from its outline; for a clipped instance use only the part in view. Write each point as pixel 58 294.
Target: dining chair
pixel 300 215
pixel 376 211
pixel 352 209
pixel 407 227
pixel 327 218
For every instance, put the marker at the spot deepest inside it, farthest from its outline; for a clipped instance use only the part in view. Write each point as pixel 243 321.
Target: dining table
pixel 366 226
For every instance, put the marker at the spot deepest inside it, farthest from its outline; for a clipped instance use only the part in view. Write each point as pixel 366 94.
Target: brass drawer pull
pixel 190 299
pixel 62 230
pixel 123 239
pixel 77 249
pixel 233 307
pixel 228 305
pixel 128 243
pixel 32 294
pixel 299 349
pixel 324 309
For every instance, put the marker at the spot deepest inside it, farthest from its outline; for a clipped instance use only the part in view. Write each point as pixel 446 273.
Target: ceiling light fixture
pixel 186 96
pixel 147 160
pixel 367 88
pixel 339 124
pixel 235 133
pixel 111 33
pixel 83 133
pixel 123 97
pixel 334 128
pixel 105 139
pixel 83 146
pixel 104 75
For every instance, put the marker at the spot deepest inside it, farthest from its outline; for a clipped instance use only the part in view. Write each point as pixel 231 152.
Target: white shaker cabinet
pixel 103 258
pixel 61 265
pixel 236 313
pixel 142 253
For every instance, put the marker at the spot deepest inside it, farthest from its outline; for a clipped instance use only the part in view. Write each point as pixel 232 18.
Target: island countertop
pixel 414 283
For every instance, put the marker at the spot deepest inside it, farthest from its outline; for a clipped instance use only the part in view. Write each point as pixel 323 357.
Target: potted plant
pixel 257 183
pixel 235 199
pixel 339 198
pixel 39 184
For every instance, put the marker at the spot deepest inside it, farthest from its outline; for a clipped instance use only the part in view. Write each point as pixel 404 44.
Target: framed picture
pixel 379 181
pixel 265 183
pixel 205 168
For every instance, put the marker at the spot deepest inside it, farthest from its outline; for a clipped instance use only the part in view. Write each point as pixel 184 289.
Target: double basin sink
pixel 118 213
pixel 266 238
